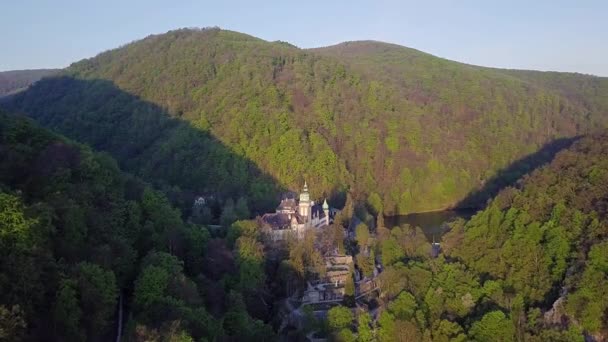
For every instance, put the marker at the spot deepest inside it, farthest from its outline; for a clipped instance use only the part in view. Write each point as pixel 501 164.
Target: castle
pixel 295 217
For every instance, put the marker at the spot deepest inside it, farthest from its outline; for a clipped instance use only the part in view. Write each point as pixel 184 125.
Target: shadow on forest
pixel 150 142
pixel 183 160
pixel 511 174
pixel 146 140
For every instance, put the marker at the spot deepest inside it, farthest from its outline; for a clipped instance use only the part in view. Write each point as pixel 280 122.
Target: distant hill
pixel 216 111
pixel 16 80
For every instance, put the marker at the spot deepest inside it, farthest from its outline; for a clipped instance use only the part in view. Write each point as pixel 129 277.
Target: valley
pixel 365 117
pixel 208 185
pixel 433 223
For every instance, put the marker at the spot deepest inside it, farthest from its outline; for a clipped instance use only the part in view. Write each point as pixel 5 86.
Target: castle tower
pixel 304 204
pixel 326 211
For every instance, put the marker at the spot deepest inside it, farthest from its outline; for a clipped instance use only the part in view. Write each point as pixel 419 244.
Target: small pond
pixel 433 224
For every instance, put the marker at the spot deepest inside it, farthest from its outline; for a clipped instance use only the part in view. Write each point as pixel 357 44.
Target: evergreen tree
pixel 228 215
pixel 241 209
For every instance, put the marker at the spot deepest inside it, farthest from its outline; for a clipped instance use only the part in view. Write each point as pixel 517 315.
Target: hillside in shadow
pixel 176 156
pixel 512 173
pixel 179 157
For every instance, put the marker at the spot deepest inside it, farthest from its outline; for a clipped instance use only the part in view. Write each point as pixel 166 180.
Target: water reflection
pixel 434 224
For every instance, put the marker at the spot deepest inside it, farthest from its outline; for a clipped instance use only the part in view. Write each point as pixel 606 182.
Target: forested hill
pixel 417 131
pixel 542 247
pixel 413 69
pixel 15 80
pixel 531 266
pixel 80 241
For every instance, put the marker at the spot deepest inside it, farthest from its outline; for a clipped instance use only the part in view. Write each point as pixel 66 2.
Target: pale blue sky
pixel 534 34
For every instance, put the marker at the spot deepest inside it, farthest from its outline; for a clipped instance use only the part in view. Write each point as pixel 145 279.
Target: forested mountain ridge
pixel 589 91
pixel 15 80
pixel 414 68
pixel 417 131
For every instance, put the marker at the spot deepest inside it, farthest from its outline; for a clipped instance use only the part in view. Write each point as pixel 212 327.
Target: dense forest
pixel 217 112
pixel 85 246
pixel 16 80
pixel 532 266
pixel 128 182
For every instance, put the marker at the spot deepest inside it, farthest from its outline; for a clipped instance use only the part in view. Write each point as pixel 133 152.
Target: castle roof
pixel 276 221
pixel 288 204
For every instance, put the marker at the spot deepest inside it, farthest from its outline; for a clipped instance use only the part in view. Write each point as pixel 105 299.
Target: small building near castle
pixel 293 217
pixel 332 287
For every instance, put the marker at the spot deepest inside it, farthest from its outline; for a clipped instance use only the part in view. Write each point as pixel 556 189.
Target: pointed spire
pixel 325 205
pixel 304 195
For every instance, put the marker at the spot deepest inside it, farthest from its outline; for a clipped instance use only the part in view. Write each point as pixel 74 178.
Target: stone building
pixel 293 217
pixel 332 287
